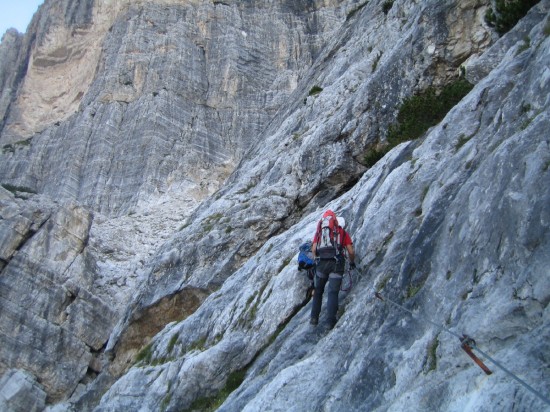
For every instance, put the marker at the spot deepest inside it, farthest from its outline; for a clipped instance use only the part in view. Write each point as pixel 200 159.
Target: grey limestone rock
pixel 20 392
pixel 454 227
pixel 51 325
pixel 128 109
pixel 206 138
pixel 9 52
pixel 190 86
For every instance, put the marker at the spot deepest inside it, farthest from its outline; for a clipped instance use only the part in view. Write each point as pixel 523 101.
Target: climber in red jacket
pixel 330 245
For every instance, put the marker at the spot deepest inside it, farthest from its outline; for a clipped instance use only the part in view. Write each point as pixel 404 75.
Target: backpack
pixel 305 257
pixel 329 243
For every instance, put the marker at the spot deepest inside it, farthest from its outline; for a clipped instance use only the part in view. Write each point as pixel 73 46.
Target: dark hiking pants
pixel 326 274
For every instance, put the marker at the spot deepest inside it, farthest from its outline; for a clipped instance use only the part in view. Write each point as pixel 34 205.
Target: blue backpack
pixel 305 257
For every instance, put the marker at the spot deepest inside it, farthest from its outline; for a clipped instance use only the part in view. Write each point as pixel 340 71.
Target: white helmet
pixel 341 221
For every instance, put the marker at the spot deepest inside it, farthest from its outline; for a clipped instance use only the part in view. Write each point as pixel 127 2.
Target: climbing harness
pixel 468 345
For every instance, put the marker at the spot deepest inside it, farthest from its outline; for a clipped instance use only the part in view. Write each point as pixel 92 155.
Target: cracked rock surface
pixel 155 267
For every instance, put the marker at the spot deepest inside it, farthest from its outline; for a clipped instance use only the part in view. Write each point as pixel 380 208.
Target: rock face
pixel 9 53
pixel 20 392
pixel 141 287
pixel 51 322
pixel 152 97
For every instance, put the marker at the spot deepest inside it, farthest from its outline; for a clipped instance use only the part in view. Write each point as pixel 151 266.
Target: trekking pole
pixel 467 344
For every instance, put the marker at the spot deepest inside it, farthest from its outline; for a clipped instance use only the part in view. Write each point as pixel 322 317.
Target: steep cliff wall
pixel 9 54
pixel 454 227
pixel 207 306
pixel 150 97
pixel 138 111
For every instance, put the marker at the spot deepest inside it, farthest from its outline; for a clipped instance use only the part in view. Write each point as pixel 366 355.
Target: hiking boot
pixel 314 321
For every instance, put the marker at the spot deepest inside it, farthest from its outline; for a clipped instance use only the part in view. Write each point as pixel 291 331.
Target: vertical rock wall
pixel 136 111
pixel 124 101
pixel 51 322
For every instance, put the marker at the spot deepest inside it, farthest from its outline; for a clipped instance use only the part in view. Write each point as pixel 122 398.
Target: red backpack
pixel 328 240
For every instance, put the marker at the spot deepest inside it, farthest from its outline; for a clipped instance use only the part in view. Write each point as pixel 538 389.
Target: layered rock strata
pixel 197 297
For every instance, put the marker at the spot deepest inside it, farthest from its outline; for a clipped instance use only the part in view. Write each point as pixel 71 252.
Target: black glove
pixel 352 265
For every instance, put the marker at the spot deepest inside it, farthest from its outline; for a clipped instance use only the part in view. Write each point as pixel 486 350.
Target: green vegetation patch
pixel 211 221
pixel 386 6
pixel 145 355
pixel 199 345
pixel 249 318
pixel 375 62
pixel 284 264
pixel 172 343
pixel 462 140
pixel 507 13
pixel 212 403
pixel 315 90
pixel 11 147
pixel 417 114
pixel 420 112
pixel 431 358
pixel 412 290
pixel 373 155
pixel 165 402
pixel 382 284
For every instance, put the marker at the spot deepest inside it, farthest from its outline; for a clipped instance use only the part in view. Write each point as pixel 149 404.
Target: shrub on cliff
pixel 507 13
pixel 417 114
